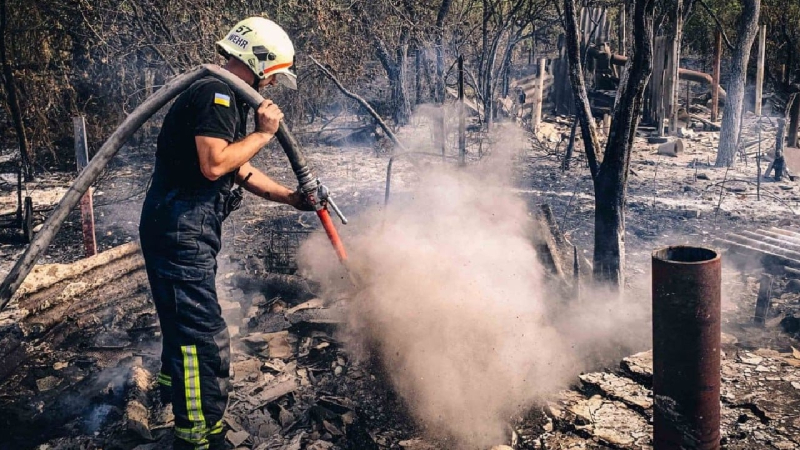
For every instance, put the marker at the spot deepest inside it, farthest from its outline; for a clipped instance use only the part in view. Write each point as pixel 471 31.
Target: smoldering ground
pixel 451 294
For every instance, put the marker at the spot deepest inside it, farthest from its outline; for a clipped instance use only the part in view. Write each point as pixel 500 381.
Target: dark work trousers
pixel 180 240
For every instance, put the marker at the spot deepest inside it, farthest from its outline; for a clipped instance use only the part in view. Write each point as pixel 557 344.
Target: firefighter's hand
pixel 268 117
pixel 300 201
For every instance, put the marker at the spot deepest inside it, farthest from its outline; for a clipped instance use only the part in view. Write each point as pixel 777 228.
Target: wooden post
pixel 87 209
pixel 762 39
pixel 27 219
pixel 602 32
pixel 655 106
pixel 570 146
pixel 688 97
pixel 462 115
pixel 715 76
pixel 19 196
pixel 671 91
pixel 606 124
pixel 763 301
pixel 779 161
pixel 561 87
pixel 536 112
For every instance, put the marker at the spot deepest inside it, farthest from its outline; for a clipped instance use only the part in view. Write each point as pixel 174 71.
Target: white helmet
pixel 264 47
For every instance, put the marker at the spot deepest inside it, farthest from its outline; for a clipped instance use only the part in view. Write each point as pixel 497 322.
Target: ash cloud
pixel 453 298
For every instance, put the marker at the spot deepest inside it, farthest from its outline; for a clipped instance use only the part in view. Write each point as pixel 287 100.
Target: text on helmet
pixel 238 40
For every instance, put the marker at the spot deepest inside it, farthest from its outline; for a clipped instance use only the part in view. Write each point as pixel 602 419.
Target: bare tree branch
pixel 360 100
pixel 591 142
pixel 719 24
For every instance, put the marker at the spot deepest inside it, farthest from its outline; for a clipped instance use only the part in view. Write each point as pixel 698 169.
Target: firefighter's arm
pixel 263 186
pixel 218 157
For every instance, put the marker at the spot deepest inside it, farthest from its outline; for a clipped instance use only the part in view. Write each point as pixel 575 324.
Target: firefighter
pixel 202 150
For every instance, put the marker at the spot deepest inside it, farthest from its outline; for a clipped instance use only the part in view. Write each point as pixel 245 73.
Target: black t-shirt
pixel 207 108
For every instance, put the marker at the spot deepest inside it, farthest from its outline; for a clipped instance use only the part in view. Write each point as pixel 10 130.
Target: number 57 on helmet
pixel 264 47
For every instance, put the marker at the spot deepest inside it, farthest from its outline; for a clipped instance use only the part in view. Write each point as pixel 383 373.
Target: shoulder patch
pixel 222 99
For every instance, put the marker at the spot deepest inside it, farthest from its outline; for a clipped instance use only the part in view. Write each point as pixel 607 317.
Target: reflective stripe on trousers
pixel 196 357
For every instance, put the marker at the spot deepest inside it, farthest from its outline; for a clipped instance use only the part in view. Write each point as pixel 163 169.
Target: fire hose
pixel 316 193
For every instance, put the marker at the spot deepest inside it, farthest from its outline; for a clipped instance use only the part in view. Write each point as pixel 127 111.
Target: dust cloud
pixel 453 298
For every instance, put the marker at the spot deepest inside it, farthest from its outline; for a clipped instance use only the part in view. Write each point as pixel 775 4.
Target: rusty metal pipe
pixel 686 348
pixel 683 74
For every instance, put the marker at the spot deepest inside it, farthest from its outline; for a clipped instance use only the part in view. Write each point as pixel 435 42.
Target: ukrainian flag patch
pixel 222 99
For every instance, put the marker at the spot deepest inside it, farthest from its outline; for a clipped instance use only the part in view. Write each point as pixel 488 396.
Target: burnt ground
pixel 296 386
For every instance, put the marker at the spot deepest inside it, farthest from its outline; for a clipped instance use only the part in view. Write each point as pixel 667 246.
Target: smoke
pixel 453 298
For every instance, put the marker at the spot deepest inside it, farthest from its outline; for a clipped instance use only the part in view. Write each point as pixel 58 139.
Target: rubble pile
pixel 88 378
pixel 614 409
pixel 70 330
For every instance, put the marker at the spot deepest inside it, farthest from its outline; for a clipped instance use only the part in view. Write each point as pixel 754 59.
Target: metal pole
pixel 462 118
pixel 537 96
pixel 715 76
pixel 686 348
pixel 87 208
pixel 758 163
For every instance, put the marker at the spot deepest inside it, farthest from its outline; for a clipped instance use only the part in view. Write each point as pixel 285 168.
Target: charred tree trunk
pixel 397 79
pixel 444 8
pixel 487 62
pixel 13 100
pixel 417 76
pixel 611 175
pixel 609 230
pixel 732 113
pixel 788 45
pixel 583 110
pixel 395 67
pixel 506 74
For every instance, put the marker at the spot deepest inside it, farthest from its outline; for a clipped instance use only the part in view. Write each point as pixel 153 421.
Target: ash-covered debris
pixel 293 384
pixel 66 343
pixel 760 399
pixel 294 387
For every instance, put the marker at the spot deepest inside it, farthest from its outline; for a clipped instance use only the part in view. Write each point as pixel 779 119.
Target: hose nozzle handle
pixel 324 194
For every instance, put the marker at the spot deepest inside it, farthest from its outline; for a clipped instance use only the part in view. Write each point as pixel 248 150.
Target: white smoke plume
pixel 452 295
